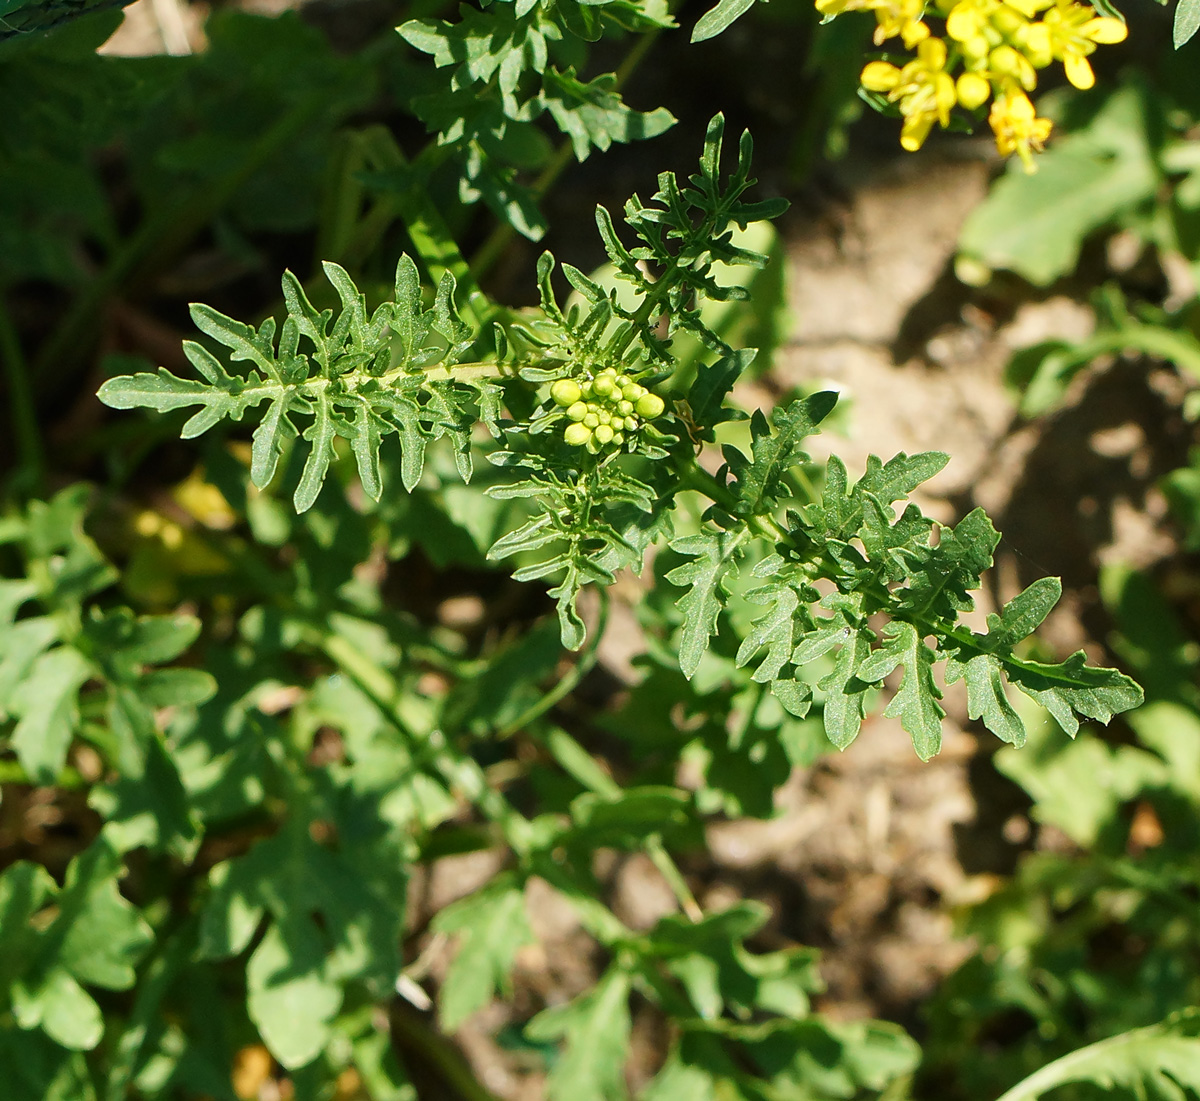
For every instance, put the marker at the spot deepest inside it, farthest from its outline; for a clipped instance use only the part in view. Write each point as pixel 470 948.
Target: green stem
pixel 502 236
pixel 568 684
pixel 422 1043
pixel 426 227
pixel 24 413
pixel 669 870
pixel 580 764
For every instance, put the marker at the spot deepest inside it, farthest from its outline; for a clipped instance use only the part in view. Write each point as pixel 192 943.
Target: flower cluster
pixel 991 49
pixel 602 411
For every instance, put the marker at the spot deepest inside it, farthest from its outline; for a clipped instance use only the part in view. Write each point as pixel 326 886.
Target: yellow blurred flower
pixel 894 18
pixel 1069 32
pixel 923 90
pixel 1017 128
pixel 992 49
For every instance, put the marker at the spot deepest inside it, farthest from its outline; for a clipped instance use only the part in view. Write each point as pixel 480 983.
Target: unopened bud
pixel 650 406
pixel 565 392
pixel 577 434
pixel 973 90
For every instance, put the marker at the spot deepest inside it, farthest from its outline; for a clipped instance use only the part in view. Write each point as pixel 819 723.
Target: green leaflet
pixel 916 703
pixel 757 482
pixel 492 927
pixel 719 18
pixel 714 558
pixel 1155 1063
pixel 1187 22
pixel 775 630
pixel 94 938
pixel 595 1032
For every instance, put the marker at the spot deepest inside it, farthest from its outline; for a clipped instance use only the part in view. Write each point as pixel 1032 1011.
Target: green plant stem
pixel 583 665
pixel 669 870
pixel 502 236
pixel 425 1044
pixel 24 413
pixel 582 766
pixel 426 227
pixel 161 236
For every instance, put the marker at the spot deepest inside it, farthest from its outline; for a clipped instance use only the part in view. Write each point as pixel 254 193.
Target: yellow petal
pixel 1029 8
pixel 962 23
pixel 916 130
pixel 1105 30
pixel 945 97
pixel 914 32
pixel 879 76
pixel 1078 71
pixel 1020 109
pixel 932 53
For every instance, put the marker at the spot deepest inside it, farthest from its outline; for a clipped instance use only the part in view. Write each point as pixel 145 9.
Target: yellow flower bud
pixel 603 434
pixel 577 435
pixel 973 90
pixel 1008 20
pixel 577 411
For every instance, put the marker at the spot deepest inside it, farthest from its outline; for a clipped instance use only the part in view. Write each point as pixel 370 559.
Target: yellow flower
pixel 970 19
pixel 1017 127
pixel 900 18
pixel 923 89
pixel 1069 32
pixel 1030 8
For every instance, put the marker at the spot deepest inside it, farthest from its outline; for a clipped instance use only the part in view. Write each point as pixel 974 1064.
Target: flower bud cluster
pixel 605 410
pixel 990 49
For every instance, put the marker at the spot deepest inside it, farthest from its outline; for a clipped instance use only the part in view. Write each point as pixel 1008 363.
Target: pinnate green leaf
pixel 1156 1063
pixel 714 556
pixel 595 1028
pixel 492 926
pixel 916 703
